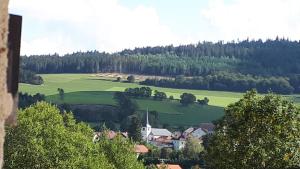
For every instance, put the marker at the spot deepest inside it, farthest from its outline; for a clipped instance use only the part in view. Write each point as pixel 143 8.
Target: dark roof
pixel 209 127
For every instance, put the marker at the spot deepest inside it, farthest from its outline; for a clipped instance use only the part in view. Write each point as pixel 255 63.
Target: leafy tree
pixel 119 152
pixel 171 97
pixel 134 130
pixel 260 132
pixel 61 93
pixel 126 105
pixel 159 95
pixel 44 138
pixel 187 98
pixel 146 91
pixel 139 92
pixel 25 100
pixel 204 101
pixel 165 153
pixel 192 148
pixel 131 79
pixel 27 76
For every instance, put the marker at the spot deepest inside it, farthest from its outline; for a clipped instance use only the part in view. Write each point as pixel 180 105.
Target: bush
pixel 131 79
pixel 187 98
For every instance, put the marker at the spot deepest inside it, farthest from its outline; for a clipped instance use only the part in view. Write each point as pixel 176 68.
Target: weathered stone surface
pixel 6 101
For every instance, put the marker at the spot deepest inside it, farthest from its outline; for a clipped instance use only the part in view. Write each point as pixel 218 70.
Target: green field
pixel 89 89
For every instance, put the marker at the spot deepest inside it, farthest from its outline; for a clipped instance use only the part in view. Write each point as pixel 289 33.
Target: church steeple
pixel 147 129
pixel 147 118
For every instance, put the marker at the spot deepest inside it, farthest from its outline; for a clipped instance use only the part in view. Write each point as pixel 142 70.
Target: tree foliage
pixel 204 101
pixel 44 138
pixel 61 93
pixel 126 105
pixel 134 129
pixel 224 81
pixel 187 98
pixel 159 95
pixel 131 79
pixel 119 152
pixel 260 132
pixel 273 64
pixel 139 92
pixel 192 148
pixel 25 99
pixel 27 76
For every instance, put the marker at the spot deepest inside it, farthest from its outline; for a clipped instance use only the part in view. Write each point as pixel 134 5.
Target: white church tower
pixel 146 130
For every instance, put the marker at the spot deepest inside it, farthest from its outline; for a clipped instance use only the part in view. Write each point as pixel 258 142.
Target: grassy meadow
pixel 92 89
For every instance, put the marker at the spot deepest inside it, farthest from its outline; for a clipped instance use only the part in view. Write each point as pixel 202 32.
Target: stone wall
pixel 6 101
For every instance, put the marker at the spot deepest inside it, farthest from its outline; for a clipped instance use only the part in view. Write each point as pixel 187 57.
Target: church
pixel 152 134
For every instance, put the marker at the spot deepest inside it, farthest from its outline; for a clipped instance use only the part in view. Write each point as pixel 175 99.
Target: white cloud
pixel 254 18
pixel 89 24
pixel 64 26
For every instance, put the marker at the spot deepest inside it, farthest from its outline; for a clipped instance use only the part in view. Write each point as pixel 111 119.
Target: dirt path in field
pixel 124 76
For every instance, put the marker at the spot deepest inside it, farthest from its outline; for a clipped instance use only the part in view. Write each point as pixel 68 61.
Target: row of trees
pixel 146 92
pixel 231 82
pixel 27 76
pixel 272 57
pixel 25 99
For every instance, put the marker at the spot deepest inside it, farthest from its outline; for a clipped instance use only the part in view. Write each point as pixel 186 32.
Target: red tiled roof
pixel 141 149
pixel 169 166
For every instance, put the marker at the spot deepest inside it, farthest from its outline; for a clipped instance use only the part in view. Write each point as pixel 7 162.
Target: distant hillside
pixel 273 57
pixel 279 57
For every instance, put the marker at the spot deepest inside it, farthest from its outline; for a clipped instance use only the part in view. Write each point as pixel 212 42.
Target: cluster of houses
pixel 163 138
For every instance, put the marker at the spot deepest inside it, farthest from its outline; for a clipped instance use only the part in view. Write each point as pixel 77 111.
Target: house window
pixel 143 129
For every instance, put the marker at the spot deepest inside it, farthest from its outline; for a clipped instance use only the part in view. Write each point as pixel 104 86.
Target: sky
pixel 67 26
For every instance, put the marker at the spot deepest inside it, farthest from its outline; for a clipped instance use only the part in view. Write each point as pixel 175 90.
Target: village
pixel 163 138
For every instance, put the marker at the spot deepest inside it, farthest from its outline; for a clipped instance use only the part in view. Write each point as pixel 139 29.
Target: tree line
pixel 278 57
pixel 237 82
pixel 30 77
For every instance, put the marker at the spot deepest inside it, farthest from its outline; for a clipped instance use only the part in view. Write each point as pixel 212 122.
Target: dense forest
pixel 276 58
pixel 225 81
pixel 30 77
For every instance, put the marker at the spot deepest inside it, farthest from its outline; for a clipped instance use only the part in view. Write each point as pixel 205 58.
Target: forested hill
pixel 277 57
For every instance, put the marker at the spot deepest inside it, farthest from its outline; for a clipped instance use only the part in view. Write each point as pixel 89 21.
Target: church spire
pixel 147 118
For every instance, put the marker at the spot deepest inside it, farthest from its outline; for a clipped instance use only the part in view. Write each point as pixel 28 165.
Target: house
pixel 176 135
pixel 207 127
pixel 110 135
pixel 162 142
pixel 187 132
pixel 157 133
pixel 198 133
pixel 168 166
pixel 140 149
pixel 179 144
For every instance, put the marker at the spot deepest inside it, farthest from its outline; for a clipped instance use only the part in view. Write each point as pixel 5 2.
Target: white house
pixel 179 144
pixel 157 133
